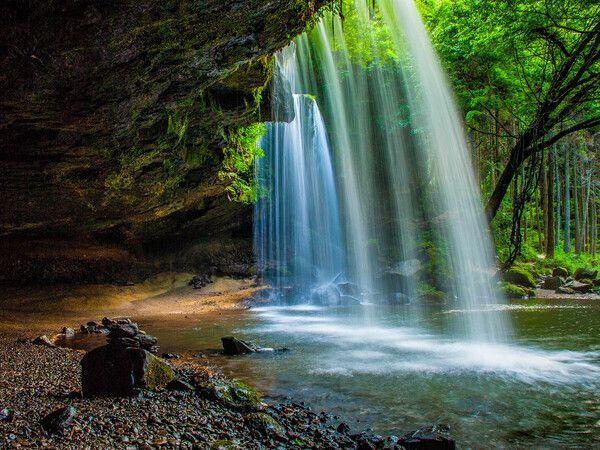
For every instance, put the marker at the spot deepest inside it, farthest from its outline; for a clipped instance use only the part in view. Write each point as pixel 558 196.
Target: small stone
pixel 343 428
pixel 180 385
pixel 43 340
pixel 68 332
pixel 7 415
pixel 58 420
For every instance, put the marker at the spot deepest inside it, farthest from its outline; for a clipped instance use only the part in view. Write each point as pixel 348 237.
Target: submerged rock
pixel 233 346
pixel 58 420
pixel 429 438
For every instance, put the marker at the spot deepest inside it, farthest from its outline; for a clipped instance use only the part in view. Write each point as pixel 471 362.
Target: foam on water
pixel 396 349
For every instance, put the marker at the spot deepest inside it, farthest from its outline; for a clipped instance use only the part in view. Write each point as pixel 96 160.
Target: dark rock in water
pixel 233 346
pixel 58 420
pixel 429 438
pixel 170 356
pixel 43 340
pixel 7 415
pixel 115 371
pixel 553 283
pixel 349 289
pixel 326 295
pixel 367 441
pixel 180 385
pixel 585 274
pixel 199 355
pixel 343 428
pixel 402 277
pixel 560 272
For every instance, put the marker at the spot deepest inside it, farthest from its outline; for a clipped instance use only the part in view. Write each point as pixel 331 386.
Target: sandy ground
pixel 552 295
pixel 45 309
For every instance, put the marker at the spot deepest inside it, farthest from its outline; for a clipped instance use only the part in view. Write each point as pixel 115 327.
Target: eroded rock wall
pixel 114 119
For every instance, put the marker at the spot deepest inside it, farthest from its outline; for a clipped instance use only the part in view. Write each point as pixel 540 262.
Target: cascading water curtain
pixel 404 214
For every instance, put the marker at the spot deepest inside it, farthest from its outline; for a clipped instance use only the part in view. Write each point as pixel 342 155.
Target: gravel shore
pixel 36 380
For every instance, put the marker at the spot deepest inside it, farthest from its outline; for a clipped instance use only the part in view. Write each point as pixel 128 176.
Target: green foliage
pixel 241 151
pixel 570 261
pixel 430 293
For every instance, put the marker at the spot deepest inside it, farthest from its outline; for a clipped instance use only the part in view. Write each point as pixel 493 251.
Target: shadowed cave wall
pixel 114 119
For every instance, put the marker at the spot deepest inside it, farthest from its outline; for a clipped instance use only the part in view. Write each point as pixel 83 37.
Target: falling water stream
pixel 369 211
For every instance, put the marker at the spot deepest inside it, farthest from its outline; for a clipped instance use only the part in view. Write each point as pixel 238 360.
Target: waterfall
pixel 368 194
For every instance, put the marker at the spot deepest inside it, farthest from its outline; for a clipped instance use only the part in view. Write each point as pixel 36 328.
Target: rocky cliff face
pixel 115 115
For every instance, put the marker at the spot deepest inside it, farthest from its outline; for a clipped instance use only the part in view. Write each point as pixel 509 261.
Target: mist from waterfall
pixel 367 190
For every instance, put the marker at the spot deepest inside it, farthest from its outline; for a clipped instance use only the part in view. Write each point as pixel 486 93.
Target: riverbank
pixel 37 380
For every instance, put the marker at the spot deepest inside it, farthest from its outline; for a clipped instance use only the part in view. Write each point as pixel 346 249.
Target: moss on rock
pixel 520 276
pixel 158 373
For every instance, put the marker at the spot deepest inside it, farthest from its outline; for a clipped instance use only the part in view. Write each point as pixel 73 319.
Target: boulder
pixel 582 288
pixel 265 424
pixel 58 420
pixel 560 272
pixel 232 393
pixel 519 276
pixel 402 277
pixel 429 438
pixel 585 274
pixel 114 371
pixel 513 291
pixel 233 346
pixel 553 283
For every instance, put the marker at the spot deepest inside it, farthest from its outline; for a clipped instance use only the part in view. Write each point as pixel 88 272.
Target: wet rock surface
pixel 215 413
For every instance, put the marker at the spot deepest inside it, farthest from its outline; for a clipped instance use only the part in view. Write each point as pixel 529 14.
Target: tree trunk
pixel 567 229
pixel 586 203
pixel 594 226
pixel 545 200
pixel 576 184
pixel 550 209
pixel 557 198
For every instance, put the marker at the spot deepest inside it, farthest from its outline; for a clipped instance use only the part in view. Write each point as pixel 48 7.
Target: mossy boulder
pixel 585 274
pixel 232 393
pixel 520 276
pixel 265 424
pixel 511 290
pixel 560 272
pixel 113 372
